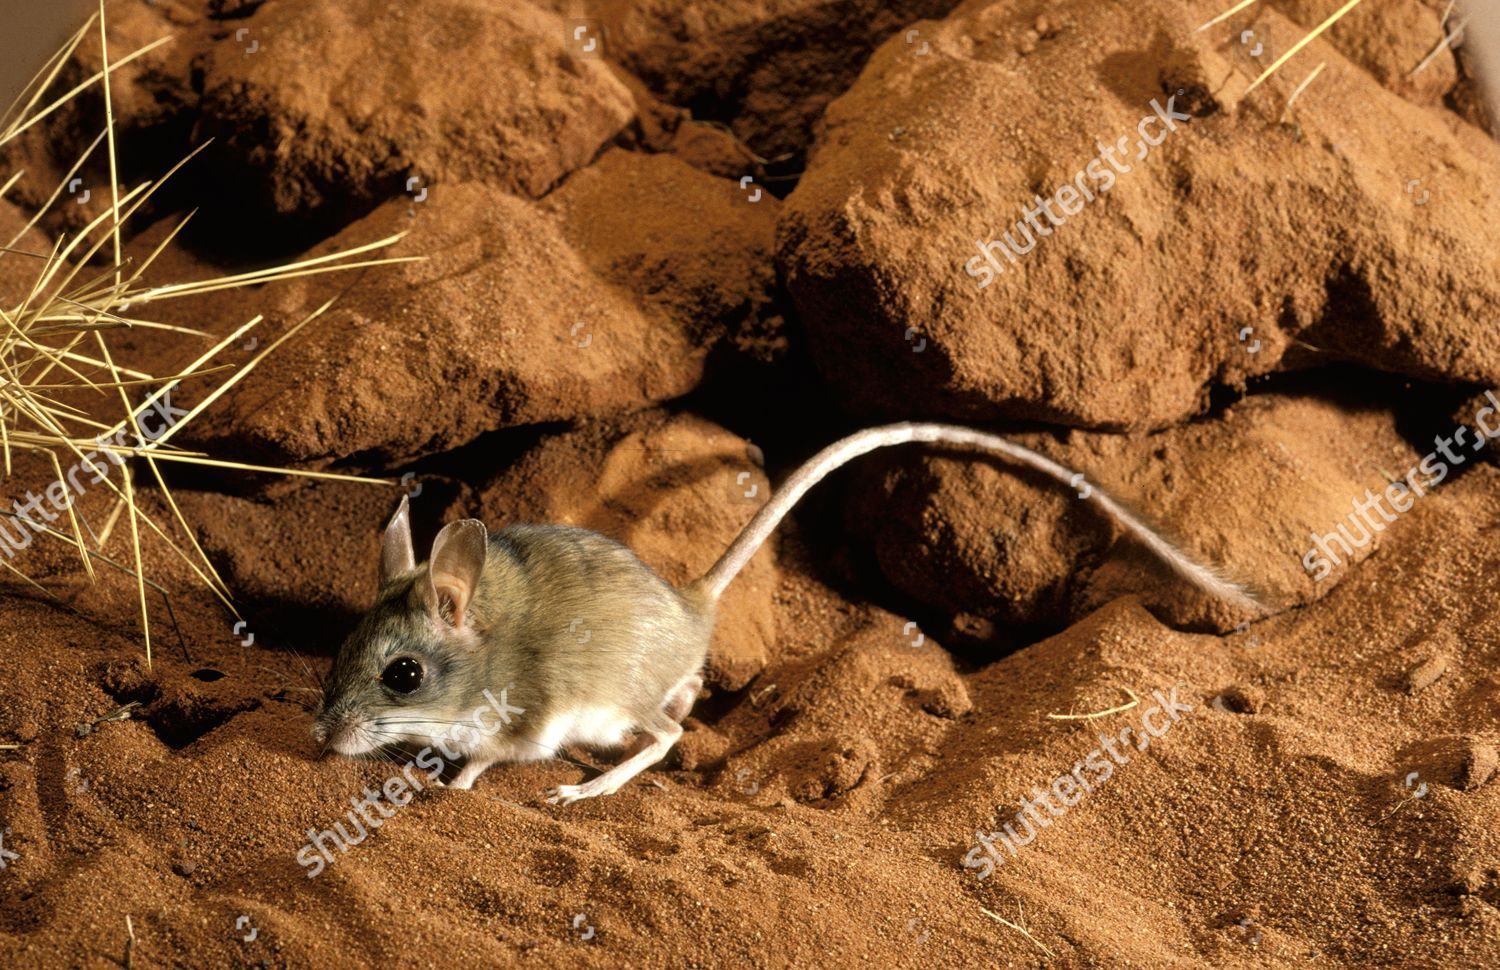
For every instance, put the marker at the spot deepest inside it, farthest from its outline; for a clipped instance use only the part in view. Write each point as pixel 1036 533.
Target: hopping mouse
pixel 592 646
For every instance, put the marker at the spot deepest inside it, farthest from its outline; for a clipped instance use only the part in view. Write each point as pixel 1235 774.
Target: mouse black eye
pixel 402 675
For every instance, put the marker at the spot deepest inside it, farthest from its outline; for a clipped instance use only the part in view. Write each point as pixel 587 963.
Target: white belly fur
pixel 592 727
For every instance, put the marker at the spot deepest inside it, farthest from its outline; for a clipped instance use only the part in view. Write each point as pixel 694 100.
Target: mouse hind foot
pixel 655 741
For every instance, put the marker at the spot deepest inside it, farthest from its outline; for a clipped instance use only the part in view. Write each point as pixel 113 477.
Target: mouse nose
pixel 347 736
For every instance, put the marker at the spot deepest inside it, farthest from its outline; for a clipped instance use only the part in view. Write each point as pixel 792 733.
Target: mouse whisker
pixel 308 675
pixel 294 682
pixel 384 722
pixel 387 751
pixel 395 737
pixel 382 754
pixel 553 755
pixel 311 677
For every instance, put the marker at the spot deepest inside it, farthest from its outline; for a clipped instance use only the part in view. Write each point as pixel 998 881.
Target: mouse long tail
pixel 713 583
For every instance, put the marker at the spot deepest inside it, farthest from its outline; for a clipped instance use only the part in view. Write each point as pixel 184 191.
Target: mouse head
pixel 413 665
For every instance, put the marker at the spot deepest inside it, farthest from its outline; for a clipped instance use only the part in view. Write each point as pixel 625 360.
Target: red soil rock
pixel 1120 317
pixel 519 314
pixel 451 92
pixel 1326 793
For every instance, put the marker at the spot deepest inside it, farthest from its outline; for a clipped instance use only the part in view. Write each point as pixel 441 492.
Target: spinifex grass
pixel 55 341
pixel 1291 52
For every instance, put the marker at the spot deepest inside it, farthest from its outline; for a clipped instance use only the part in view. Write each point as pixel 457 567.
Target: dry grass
pixel 55 343
pixel 1291 52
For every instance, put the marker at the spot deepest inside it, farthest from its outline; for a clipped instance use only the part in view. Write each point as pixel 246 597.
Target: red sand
pixel 887 679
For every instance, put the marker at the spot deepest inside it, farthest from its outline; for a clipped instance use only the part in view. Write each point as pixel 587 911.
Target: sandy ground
pixel 661 272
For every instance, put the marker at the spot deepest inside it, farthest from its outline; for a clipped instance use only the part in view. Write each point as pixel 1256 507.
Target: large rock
pixel 518 314
pixel 341 102
pixel 1201 266
pixel 688 245
pixel 993 547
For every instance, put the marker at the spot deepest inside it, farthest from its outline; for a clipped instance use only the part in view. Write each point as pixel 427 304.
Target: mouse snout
pixel 344 732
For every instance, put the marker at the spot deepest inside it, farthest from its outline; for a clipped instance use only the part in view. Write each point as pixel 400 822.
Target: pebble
pixel 1425 674
pixel 1478 765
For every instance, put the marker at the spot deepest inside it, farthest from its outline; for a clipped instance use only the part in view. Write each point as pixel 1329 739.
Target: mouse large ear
pixel 396 553
pixel 458 555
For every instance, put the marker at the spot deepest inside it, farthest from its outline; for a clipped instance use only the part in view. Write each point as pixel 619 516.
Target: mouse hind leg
pixel 656 739
pixel 680 699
